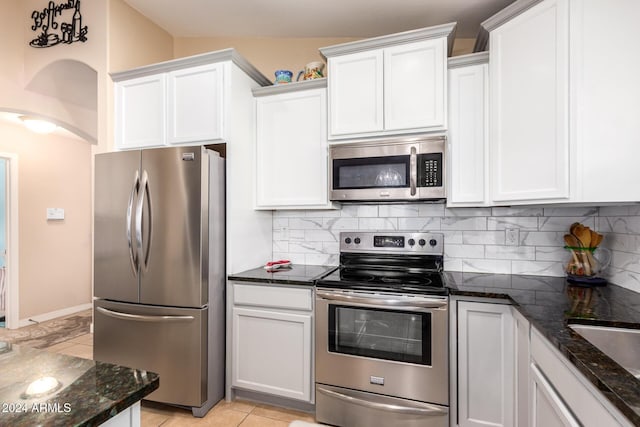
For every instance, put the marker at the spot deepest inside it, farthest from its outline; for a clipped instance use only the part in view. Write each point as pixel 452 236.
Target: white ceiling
pixel 313 18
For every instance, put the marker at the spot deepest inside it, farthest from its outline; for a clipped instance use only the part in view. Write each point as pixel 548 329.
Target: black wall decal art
pixel 58 23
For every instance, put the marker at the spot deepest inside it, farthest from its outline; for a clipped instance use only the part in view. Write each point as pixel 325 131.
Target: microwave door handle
pixel 413 170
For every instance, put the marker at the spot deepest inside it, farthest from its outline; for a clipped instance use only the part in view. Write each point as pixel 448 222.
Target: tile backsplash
pixel 476 239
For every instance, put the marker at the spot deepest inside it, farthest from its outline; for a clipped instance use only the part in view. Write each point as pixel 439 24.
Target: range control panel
pixel 392 242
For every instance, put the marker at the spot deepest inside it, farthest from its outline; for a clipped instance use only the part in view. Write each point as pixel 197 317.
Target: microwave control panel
pixel 430 170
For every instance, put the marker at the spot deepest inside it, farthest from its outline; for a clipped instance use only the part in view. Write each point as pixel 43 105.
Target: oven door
pixel 387 344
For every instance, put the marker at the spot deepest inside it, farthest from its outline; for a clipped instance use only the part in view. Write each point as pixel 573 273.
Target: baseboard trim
pixel 54 314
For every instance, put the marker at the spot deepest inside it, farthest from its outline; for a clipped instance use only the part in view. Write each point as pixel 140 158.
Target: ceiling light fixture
pixel 38 125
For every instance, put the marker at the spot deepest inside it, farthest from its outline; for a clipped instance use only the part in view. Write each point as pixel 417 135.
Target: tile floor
pixel 224 414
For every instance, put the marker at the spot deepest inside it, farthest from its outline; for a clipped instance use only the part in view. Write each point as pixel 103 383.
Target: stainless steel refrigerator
pixel 159 269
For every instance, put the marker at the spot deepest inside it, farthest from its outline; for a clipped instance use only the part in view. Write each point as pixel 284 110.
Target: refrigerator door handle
pixel 144 245
pixel 143 318
pixel 132 254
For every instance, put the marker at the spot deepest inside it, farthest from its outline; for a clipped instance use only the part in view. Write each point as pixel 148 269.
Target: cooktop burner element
pixel 392 262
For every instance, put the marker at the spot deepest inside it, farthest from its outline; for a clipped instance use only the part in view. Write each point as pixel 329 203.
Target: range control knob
pixel 421 242
pixel 433 242
pixel 347 240
pixel 411 242
pixel 356 241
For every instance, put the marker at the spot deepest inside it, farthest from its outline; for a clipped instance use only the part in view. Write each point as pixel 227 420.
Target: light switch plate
pixel 55 214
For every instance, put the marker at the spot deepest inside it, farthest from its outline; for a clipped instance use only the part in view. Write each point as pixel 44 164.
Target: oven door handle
pixel 390 302
pixel 427 410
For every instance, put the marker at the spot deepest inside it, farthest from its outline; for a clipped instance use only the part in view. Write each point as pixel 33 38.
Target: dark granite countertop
pixel 551 304
pixel 297 274
pixel 89 393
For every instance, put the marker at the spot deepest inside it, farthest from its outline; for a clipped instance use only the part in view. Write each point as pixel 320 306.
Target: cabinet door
pixel 547 408
pixel 529 141
pixel 271 352
pixel 291 150
pixel 356 93
pixel 467 142
pixel 485 365
pixel 415 85
pixel 140 112
pixel 195 103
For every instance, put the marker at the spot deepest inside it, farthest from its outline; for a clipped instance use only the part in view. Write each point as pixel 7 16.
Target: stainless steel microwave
pixel 388 170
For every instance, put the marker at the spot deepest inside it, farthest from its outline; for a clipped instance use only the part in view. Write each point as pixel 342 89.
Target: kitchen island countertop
pixel 297 274
pixel 85 392
pixel 551 304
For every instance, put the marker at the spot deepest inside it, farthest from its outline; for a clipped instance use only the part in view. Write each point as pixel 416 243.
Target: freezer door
pixel 174 217
pixel 168 341
pixel 117 181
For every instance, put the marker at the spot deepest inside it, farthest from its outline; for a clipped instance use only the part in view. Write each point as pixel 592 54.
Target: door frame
pixel 12 264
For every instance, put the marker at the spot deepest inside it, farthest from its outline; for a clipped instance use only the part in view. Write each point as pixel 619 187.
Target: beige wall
pixel 270 54
pixel 134 40
pixel 55 256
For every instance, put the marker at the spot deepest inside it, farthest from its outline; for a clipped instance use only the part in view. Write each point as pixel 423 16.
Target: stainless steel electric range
pixel 382 345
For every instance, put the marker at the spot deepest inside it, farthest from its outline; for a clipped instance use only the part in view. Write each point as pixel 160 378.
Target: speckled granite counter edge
pixel 121 405
pixel 600 370
pixel 272 281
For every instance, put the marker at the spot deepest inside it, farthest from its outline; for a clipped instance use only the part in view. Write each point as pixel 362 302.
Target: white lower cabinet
pixel 271 340
pixel 561 396
pixel 485 365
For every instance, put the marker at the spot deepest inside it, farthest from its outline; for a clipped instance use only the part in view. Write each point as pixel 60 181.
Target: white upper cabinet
pixel 389 85
pixel 356 89
pixel 529 74
pixel 196 104
pixel 184 101
pixel 291 146
pixel 140 112
pixel 467 144
pixel 564 102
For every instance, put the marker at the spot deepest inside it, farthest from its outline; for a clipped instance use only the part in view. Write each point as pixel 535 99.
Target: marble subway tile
pixel 571 211
pixel 452 264
pixel 510 252
pixel 280 223
pixel 622 242
pixel 562 223
pixel 296 235
pixel 538 268
pixel 625 261
pixel 495 266
pixel 293 257
pixel 280 246
pixel 462 223
pixel 289 213
pixel 482 237
pixel 419 224
pixel 514 211
pixel 360 211
pixel 622 224
pixel 321 259
pixel 467 212
pixel 502 223
pixel 552 253
pixel 464 251
pixel 320 236
pixel 305 247
pixel 373 224
pixel 305 223
pixel 431 209
pixel 452 237
pixel 340 223
pixel 398 211
pixel 324 213
pixel 631 210
pixel 542 238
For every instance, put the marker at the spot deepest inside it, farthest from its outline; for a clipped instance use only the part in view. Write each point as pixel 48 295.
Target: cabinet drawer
pixel 580 396
pixel 273 296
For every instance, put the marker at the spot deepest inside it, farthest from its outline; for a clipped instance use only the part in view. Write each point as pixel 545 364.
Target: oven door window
pixel 402 336
pixel 371 172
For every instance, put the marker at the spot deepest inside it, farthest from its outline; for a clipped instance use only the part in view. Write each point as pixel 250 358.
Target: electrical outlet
pixel 512 236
